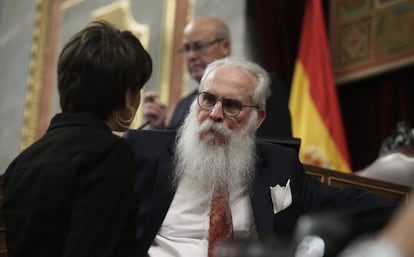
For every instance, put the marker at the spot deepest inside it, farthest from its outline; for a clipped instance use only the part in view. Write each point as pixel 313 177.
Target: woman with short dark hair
pixel 71 193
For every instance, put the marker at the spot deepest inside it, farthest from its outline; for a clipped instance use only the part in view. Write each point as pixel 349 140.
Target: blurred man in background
pixel 205 40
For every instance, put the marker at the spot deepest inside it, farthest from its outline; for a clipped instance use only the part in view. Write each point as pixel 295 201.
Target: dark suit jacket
pixel 276 125
pixel 154 152
pixel 181 110
pixel 71 194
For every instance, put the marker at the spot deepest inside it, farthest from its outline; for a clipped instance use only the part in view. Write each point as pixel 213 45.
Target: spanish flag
pixel 313 102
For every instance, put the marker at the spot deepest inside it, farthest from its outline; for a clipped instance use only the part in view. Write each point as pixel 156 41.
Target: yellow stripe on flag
pixel 317 146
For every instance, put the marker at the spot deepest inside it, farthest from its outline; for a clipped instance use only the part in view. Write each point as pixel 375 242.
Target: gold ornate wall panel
pixel 167 49
pixel 36 71
pixel 119 14
pixel 371 36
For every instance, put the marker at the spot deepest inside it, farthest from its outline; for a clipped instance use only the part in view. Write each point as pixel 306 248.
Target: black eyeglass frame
pixel 199 47
pixel 223 101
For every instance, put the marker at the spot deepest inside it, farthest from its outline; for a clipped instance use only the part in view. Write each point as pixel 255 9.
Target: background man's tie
pixel 221 225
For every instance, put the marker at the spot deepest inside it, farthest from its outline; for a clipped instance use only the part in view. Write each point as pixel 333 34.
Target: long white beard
pixel 206 164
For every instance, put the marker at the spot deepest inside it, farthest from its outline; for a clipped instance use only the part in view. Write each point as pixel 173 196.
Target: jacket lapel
pixel 162 196
pixel 262 204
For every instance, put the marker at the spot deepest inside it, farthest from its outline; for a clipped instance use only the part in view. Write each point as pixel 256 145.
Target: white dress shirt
pixel 184 231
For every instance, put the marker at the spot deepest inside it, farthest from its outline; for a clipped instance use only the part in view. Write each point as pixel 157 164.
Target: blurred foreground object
pixel 322 234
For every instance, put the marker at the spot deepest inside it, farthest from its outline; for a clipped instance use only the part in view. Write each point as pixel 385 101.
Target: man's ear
pixel 261 117
pixel 226 48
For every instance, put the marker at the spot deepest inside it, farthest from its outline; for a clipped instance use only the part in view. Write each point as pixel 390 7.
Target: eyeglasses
pixel 199 47
pixel 231 107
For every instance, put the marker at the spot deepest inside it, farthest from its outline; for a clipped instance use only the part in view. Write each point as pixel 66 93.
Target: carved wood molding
pixel 36 72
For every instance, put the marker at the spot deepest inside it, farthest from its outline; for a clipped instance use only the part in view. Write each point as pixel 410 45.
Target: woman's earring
pixel 125 123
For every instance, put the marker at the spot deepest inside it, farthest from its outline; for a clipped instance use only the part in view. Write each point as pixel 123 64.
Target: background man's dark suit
pixel 154 152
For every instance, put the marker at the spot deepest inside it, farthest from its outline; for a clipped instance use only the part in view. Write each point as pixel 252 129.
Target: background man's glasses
pixel 199 47
pixel 230 107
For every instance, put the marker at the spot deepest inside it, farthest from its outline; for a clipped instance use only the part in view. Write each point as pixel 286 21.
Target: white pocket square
pixel 281 197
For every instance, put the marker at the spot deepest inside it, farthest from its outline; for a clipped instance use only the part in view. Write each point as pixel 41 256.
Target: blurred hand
pixel 154 112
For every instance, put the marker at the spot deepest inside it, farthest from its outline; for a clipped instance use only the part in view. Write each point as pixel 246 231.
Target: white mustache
pixel 216 127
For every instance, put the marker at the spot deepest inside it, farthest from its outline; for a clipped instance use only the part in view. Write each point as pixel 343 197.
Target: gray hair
pixel 262 90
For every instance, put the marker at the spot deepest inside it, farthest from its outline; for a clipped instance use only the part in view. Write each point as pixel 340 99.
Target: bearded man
pixel 215 153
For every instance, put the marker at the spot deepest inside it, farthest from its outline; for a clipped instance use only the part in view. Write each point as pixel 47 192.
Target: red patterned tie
pixel 221 225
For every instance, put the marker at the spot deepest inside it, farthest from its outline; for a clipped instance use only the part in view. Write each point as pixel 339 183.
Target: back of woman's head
pixel 97 67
